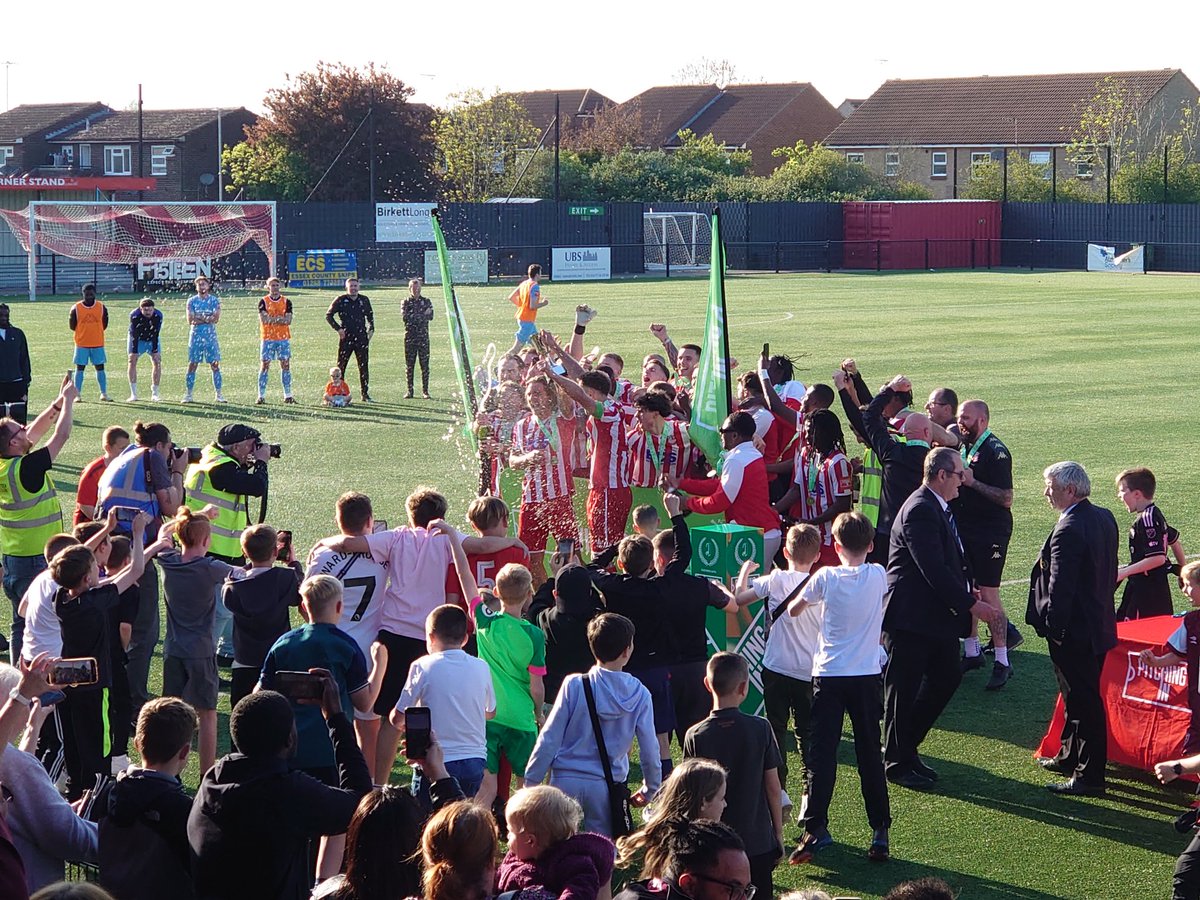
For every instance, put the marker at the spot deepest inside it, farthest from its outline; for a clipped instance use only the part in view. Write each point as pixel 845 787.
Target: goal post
pixel 122 233
pixel 678 240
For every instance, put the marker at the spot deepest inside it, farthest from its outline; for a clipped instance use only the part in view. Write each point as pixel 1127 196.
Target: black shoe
pixel 3 643
pixel 970 663
pixel 910 780
pixel 1014 637
pixel 366 398
pixel 1000 675
pixel 878 851
pixel 1055 765
pixel 224 662
pixel 924 771
pixel 1076 788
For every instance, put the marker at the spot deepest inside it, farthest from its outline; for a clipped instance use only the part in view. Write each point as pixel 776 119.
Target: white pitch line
pixel 1026 580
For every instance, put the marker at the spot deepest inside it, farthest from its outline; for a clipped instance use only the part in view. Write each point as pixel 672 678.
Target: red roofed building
pixel 933 131
pixel 576 106
pixel 755 117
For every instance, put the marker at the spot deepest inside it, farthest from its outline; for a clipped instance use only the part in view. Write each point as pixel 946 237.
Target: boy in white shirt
pixel 791 643
pixel 457 689
pixel 846 679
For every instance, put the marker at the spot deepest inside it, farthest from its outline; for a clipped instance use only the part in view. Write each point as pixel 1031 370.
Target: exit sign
pixel 585 210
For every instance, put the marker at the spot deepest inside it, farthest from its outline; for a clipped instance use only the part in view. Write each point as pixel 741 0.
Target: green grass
pixel 1073 365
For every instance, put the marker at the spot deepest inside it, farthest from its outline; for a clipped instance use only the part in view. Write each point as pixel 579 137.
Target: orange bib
pixel 89 325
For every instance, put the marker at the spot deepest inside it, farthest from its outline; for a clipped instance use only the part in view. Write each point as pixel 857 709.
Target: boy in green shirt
pixel 515 650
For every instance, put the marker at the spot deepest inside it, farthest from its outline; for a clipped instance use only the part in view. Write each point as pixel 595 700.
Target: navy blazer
pixel 1072 584
pixel 928 577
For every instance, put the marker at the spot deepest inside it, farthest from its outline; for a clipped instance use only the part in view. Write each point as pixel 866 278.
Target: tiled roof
pixel 667 109
pixel 30 119
pixel 157 124
pixel 1012 110
pixel 751 114
pixel 572 103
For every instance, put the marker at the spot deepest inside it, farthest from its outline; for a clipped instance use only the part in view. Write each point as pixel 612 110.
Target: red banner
pixel 1147 709
pixel 75 183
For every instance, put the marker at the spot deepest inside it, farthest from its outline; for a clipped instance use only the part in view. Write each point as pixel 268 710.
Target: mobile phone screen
pixel 417 726
pixel 381 525
pixel 67 672
pixel 299 685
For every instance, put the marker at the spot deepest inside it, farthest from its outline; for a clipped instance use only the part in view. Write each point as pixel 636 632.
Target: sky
pixel 229 54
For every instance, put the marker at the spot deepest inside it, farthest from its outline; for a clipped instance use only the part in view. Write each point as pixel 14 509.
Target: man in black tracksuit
pixel 355 328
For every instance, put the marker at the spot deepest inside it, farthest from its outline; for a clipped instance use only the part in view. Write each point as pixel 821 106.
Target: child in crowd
pixel 489 516
pixel 320 644
pixel 695 790
pixel 744 746
pixel 546 850
pixel 459 850
pixel 791 643
pixel 120 632
pixel 261 603
pixel 1147 590
pixel 457 690
pixel 566 748
pixel 1184 646
pixel 846 679
pixel 515 651
pixel 562 607
pixel 190 581
pixel 646 521
pixel 144 853
pixel 83 604
pixel 337 392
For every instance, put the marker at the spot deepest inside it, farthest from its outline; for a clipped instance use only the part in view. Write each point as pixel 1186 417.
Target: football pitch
pixel 1074 365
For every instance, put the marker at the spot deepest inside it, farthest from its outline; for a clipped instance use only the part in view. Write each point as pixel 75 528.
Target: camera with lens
pixel 276 449
pixel 193 454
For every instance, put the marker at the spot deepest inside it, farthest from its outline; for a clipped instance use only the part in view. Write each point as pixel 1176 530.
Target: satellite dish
pixel 207 178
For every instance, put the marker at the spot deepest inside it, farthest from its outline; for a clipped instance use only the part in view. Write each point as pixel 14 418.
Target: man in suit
pixel 929 607
pixel 1071 605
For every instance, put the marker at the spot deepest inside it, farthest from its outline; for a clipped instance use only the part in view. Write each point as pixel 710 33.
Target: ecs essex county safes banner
pixel 581 264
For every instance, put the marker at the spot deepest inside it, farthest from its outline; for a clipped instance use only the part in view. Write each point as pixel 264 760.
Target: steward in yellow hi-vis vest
pixel 230 470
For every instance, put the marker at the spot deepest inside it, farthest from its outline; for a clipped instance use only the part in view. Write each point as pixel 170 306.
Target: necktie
pixel 954 530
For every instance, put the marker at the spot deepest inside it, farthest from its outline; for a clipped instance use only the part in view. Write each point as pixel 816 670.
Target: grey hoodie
pixel 567 743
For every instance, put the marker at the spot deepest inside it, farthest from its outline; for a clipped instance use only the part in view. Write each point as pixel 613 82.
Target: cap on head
pixel 235 434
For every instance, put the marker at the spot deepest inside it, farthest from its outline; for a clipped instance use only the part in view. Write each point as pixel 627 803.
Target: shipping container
pixel 919 234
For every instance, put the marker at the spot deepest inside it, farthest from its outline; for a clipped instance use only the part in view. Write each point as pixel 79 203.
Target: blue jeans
pixel 469 773
pixel 19 571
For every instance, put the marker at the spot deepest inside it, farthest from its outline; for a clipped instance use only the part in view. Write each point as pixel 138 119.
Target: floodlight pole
pixel 141 147
pixel 32 251
pixel 8 64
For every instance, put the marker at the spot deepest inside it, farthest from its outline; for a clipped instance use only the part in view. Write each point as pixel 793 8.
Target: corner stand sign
pixel 718 551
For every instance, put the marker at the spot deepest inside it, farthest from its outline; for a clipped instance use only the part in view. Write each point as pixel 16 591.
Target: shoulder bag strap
pixel 591 704
pixel 779 610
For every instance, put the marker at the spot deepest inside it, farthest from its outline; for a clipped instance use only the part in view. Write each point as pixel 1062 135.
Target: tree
pixel 322 129
pixel 818 173
pixel 720 72
pixel 610 130
pixel 266 170
pixel 1027 182
pixel 478 139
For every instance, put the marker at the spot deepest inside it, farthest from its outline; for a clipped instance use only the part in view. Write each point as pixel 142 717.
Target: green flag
pixel 460 341
pixel 712 399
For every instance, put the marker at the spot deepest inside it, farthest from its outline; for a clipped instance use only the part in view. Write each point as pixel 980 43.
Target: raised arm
pixel 573 389
pixel 62 428
pixel 660 332
pixel 466 578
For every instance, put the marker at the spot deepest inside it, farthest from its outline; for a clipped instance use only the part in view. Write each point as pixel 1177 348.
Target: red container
pixel 921 234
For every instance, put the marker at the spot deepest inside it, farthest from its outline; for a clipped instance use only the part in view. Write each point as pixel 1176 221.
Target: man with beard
pixel 983 510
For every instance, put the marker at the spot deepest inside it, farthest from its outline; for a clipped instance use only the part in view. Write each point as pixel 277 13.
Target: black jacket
pixel 353 315
pixel 252 821
pixel 1072 584
pixel 689 597
pixel 144 852
pixel 14 357
pixel 903 463
pixel 927 575
pixel 261 608
pixel 564 621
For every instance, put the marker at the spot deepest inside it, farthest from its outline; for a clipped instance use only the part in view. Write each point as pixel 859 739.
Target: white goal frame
pixel 689 242
pixel 34 243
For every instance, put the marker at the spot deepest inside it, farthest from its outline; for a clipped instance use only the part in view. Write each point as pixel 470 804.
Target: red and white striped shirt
pixel 649 456
pixel 821 482
pixel 610 446
pixel 552 479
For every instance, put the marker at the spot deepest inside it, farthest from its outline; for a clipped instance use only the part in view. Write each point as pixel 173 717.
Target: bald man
pixel 983 510
pixel 903 461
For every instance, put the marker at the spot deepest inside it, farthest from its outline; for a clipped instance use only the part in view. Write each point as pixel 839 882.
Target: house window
pixel 7 152
pixel 85 156
pixel 118 160
pixel 1041 158
pixel 937 164
pixel 891 164
pixel 159 154
pixel 979 159
pixel 1084 168
pixel 859 158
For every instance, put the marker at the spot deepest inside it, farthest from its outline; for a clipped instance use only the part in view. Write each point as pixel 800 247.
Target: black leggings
pixel 417 348
pixel 1187 872
pixel 360 351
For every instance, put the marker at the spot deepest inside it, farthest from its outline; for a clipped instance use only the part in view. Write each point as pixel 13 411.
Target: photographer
pixel 230 470
pixel 147 476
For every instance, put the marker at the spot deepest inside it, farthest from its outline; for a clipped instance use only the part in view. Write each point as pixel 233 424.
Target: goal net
pixel 682 239
pixel 141 234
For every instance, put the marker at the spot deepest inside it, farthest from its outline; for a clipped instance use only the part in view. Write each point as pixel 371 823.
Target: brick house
pixel 754 117
pixel 179 148
pixel 934 131
pixel 27 132
pixel 576 106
